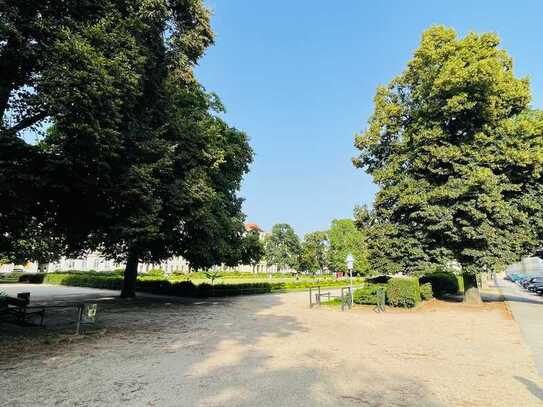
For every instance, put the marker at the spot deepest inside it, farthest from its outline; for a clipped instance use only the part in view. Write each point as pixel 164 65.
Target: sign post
pixel 350 261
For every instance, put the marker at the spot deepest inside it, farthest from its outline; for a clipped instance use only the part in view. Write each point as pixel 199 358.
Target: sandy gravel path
pixel 272 350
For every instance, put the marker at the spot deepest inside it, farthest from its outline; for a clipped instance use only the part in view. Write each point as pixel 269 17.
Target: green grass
pixel 334 302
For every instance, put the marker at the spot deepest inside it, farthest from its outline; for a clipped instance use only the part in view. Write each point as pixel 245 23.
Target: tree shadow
pixel 531 386
pixel 208 353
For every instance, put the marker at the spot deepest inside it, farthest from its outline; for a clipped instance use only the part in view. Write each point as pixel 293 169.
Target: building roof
pixel 249 227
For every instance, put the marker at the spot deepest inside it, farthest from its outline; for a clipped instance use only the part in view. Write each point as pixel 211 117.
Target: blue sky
pixel 299 78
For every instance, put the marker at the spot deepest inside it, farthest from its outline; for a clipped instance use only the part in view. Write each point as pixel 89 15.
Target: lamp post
pixel 350 260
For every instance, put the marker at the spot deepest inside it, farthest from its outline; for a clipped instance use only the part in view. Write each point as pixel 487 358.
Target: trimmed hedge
pixel 367 295
pixel 378 279
pixel 426 292
pixel 460 279
pixel 183 288
pixel 403 292
pixel 442 283
pixel 34 278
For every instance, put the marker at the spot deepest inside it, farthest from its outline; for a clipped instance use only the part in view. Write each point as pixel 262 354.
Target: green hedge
pixel 442 283
pixel 378 279
pixel 403 292
pixel 426 292
pixel 460 280
pixel 367 295
pixel 34 278
pixel 113 281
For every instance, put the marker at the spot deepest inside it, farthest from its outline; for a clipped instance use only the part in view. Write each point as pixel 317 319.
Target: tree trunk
pixel 130 276
pixel 471 291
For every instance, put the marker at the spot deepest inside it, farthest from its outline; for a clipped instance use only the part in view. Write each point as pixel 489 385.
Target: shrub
pixel 9 277
pixel 426 292
pixel 442 283
pixel 32 278
pixel 403 292
pixel 367 295
pixel 460 280
pixel 178 287
pixel 378 279
pixel 156 272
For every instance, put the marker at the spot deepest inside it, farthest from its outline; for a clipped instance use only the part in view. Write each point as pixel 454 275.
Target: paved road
pixel 527 309
pixel 45 292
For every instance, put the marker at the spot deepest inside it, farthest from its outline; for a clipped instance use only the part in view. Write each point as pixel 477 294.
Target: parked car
pixel 516 277
pixel 526 282
pixel 534 286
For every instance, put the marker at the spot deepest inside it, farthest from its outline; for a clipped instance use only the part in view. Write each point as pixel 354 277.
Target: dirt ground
pixel 272 350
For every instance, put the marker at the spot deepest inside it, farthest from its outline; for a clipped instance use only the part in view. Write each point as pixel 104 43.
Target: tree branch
pixel 27 122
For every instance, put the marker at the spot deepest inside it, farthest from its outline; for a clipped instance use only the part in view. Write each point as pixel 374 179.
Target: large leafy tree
pixel 314 252
pixel 282 247
pixel 252 249
pixel 59 60
pixel 346 239
pixel 458 157
pixel 146 167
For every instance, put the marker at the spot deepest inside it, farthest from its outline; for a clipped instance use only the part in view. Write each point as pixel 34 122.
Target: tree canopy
pixel 458 157
pixel 346 239
pixel 282 247
pixel 136 161
pixel 314 252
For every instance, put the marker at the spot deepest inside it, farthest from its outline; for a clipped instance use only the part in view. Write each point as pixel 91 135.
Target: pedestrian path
pixel 527 309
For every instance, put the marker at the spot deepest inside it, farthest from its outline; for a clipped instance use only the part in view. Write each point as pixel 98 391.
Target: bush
pixel 426 292
pixel 32 278
pixel 155 273
pixel 442 283
pixel 181 287
pixel 113 281
pixel 367 295
pixel 378 280
pixel 460 279
pixel 403 292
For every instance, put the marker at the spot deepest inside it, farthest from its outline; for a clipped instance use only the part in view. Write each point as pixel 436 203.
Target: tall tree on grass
pixel 66 62
pixel 282 247
pixel 346 239
pixel 457 154
pixel 173 181
pixel 314 252
pixel 144 166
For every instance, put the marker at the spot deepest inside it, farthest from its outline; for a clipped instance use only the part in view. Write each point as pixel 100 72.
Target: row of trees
pixel 457 152
pixel 133 159
pixel 319 251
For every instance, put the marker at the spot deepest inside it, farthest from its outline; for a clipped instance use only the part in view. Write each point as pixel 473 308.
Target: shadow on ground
pixel 531 386
pixel 151 352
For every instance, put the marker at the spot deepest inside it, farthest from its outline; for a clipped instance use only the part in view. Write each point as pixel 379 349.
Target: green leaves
pixel 346 239
pixel 458 157
pixel 136 158
pixel 282 247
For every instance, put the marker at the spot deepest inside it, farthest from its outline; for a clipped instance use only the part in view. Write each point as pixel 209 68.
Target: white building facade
pixel 94 261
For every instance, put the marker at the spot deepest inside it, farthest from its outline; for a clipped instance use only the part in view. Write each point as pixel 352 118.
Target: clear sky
pixel 299 78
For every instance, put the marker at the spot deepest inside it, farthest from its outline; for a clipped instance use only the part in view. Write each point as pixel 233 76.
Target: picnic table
pixel 17 310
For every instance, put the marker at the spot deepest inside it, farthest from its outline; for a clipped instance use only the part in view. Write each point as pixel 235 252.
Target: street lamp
pixel 350 262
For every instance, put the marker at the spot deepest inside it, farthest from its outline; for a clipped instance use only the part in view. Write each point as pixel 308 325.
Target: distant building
pixel 94 261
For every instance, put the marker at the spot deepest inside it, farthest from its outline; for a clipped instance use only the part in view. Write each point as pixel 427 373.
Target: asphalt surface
pixel 527 309
pixel 40 293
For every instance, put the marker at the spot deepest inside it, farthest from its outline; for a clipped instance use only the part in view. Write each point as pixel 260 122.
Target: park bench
pixel 17 310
